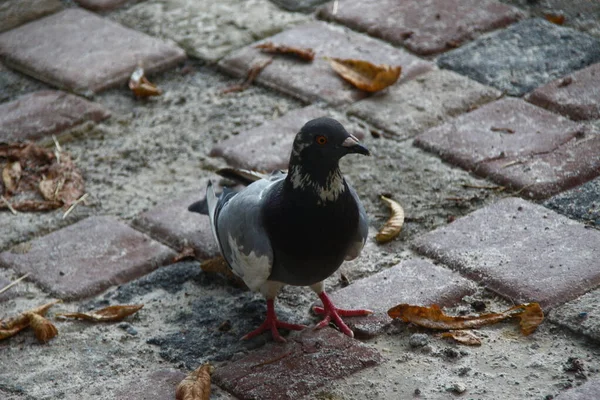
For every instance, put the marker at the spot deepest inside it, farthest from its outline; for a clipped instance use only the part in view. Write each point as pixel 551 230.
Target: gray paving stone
pixel 520 250
pixel 296 368
pixel 268 147
pixel 171 223
pixel 156 385
pixel 576 96
pixel 79 51
pixel 423 102
pixel 45 113
pixel 208 29
pixel 414 281
pixel 316 80
pixel 299 5
pixel 581 315
pixel 87 257
pixel 518 145
pixel 588 391
pixel 582 202
pixel 515 59
pixel 426 26
pixel 17 12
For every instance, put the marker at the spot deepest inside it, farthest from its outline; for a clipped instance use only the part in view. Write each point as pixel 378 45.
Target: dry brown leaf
pixel 141 86
pixel 195 386
pixel 44 329
pixel 220 266
pixel 365 75
pixel 33 205
pixel 253 72
pixel 187 252
pixel 14 325
pixel 302 53
pixel 463 337
pixel 107 314
pixel 11 175
pixel 530 315
pixel 557 19
pixel 393 226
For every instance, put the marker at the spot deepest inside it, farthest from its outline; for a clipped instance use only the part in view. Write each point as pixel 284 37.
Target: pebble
pixel 457 387
pixel 418 340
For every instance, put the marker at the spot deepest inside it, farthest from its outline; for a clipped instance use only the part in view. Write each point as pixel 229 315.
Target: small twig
pixel 5 288
pixel 469 186
pixel 335 7
pixel 510 164
pixel 79 200
pixel 10 207
pixel 253 73
pixel 58 149
pixel 271 361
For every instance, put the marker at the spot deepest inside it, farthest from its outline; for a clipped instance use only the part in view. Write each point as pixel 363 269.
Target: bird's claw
pixel 273 325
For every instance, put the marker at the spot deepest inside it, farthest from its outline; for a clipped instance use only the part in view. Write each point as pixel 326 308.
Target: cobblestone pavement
pixel 490 141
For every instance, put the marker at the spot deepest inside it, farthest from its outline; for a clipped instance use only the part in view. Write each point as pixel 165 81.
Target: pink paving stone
pixel 87 257
pixel 291 370
pixel 268 147
pixel 103 5
pixel 576 96
pixel 424 26
pixel 520 250
pixel 414 281
pixel 172 224
pixel 16 12
pixel 82 52
pixel 316 80
pixel 156 385
pixel 588 391
pixel 44 113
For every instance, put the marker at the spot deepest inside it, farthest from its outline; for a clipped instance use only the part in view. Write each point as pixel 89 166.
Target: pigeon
pixel 295 228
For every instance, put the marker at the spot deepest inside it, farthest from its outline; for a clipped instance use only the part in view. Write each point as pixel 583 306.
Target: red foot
pixel 272 323
pixel 331 312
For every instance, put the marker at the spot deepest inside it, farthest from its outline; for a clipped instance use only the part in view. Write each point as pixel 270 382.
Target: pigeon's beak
pixel 352 145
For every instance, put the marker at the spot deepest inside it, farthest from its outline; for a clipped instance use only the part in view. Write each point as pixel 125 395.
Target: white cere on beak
pixel 350 141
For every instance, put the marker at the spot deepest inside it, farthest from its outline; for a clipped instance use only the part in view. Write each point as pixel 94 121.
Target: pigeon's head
pixel 323 141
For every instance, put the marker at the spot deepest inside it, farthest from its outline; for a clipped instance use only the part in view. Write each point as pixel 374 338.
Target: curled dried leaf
pixel 365 75
pixel 463 337
pixel 107 314
pixel 6 333
pixel 185 253
pixel 394 224
pixel 529 314
pixel 141 86
pixel 220 266
pixel 14 325
pixel 557 19
pixel 44 329
pixel 11 175
pixel 253 73
pixel 301 53
pixel 195 386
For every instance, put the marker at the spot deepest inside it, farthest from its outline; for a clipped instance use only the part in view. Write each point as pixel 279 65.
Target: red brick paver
pixel 85 258
pixel 516 144
pixel 77 50
pixel 173 224
pixel 588 391
pixel 520 250
pixel 16 12
pixel 576 96
pixel 316 80
pixel 156 385
pixel 46 113
pixel 425 101
pixel 296 368
pixel 424 26
pixel 414 281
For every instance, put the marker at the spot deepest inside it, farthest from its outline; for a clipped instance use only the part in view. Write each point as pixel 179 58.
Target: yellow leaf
pixel 463 337
pixel 195 386
pixel 365 75
pixel 394 224
pixel 107 314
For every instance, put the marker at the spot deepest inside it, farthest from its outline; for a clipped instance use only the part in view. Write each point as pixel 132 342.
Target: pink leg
pixel 272 323
pixel 331 312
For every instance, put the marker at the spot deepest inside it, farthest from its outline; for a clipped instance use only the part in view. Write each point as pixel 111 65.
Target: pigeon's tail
pixel 200 207
pixel 211 201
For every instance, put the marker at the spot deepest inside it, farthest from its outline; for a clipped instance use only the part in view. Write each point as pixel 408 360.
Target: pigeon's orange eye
pixel 321 140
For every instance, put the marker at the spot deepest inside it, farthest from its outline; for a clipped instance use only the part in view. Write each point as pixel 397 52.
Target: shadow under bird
pixel 295 228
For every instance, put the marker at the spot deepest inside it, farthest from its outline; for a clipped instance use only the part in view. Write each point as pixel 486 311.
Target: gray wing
pixel 238 228
pixel 363 228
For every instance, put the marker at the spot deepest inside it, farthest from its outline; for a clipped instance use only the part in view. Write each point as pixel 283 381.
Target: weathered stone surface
pixel 102 5
pixel 423 102
pixel 581 315
pixel 589 390
pixel 16 12
pixel 520 250
pixel 515 59
pixel 518 145
pixel 414 281
pixel 576 96
pixel 299 5
pixel 582 202
pixel 87 257
pixel 64 50
pixel 316 80
pixel 156 385
pixel 209 29
pixel 172 224
pixel 296 368
pixel 427 26
pixel 45 113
